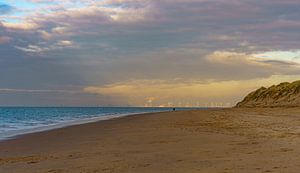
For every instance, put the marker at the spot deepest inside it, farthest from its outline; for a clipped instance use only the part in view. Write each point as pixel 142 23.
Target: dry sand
pixel 228 140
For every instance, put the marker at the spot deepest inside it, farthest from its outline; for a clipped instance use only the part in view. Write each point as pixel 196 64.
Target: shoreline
pixel 64 124
pixel 12 134
pixel 222 140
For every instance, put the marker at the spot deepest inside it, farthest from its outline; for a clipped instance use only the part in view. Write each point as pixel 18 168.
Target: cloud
pixel 65 43
pixel 31 48
pixel 4 39
pixel 242 62
pixel 27 25
pixel 41 48
pixel 79 17
pixel 111 43
pixel 45 35
pixel 234 58
pixel 13 90
pixel 188 64
pixel 225 38
pixel 174 22
pixel 193 93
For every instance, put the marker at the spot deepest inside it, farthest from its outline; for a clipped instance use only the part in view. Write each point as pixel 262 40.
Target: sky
pixel 145 52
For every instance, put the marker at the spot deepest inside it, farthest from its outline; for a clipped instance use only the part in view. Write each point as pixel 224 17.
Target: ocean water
pixel 21 120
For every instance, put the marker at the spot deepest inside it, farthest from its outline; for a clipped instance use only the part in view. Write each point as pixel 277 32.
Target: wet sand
pixel 208 141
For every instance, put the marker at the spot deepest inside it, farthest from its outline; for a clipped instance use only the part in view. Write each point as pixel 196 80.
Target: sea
pixel 16 121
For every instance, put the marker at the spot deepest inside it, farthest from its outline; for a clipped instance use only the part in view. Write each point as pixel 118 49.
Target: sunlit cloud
pixel 4 39
pixel 234 58
pixel 20 26
pixel 193 93
pixel 62 44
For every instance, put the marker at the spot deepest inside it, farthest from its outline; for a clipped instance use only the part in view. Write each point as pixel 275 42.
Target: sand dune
pixel 282 95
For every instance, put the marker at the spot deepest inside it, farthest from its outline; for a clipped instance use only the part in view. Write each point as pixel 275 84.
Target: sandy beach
pixel 224 140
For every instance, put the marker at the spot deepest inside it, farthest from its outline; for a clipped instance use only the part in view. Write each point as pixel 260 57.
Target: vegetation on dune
pixel 283 95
